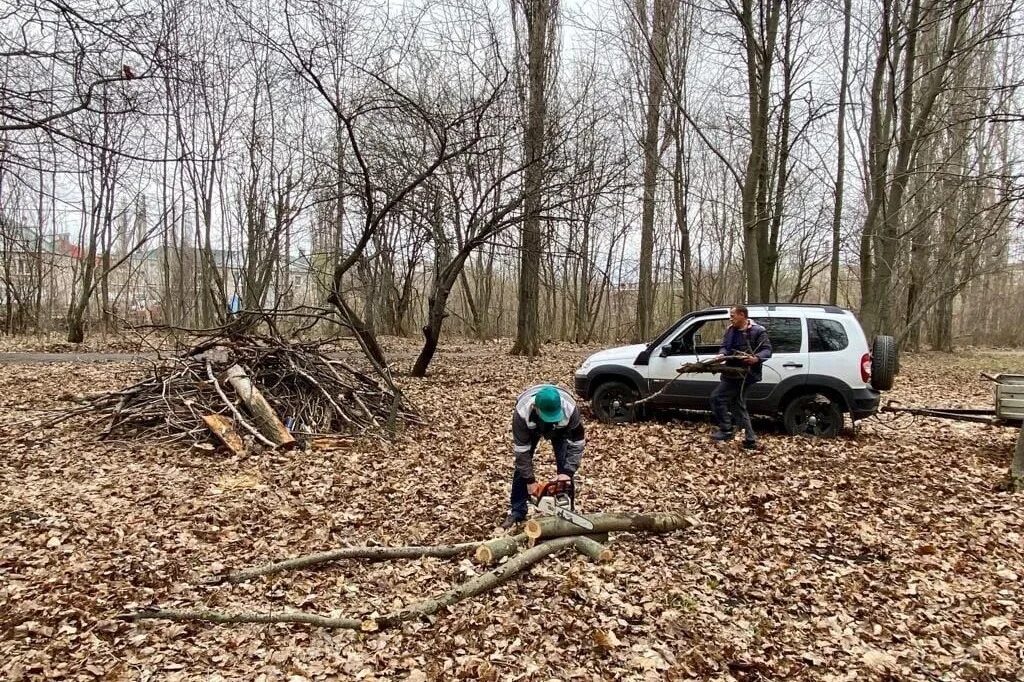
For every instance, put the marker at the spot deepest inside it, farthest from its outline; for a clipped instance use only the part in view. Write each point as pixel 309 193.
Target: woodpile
pixel 240 391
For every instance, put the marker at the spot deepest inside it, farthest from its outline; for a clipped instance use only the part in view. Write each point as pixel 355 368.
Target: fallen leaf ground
pixel 888 553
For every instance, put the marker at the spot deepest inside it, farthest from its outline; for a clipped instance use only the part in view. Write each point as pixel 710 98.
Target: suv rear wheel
pixel 612 402
pixel 813 414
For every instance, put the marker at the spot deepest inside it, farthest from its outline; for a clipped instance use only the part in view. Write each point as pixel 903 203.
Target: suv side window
pixel 785 333
pixel 825 336
pixel 704 338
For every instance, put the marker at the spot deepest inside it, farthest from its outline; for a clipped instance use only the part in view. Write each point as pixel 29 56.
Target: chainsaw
pixel 554 500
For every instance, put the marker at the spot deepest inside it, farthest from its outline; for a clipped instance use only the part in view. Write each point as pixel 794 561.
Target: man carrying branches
pixel 745 346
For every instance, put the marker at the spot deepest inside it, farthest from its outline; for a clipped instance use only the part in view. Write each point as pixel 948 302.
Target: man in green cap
pixel 543 411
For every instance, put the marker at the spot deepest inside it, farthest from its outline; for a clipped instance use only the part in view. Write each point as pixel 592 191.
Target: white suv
pixel 821 367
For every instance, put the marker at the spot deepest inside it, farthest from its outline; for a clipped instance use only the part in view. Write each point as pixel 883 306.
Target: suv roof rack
pixel 827 307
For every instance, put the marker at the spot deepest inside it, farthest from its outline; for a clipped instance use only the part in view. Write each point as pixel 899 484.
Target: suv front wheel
pixel 612 402
pixel 813 414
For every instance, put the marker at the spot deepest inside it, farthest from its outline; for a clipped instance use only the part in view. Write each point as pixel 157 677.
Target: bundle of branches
pixel 712 367
pixel 248 388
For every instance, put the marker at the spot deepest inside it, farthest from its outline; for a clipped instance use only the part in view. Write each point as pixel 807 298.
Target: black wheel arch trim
pixel 816 381
pixel 601 373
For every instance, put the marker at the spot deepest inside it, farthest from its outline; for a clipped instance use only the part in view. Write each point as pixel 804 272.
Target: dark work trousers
pixel 521 496
pixel 729 406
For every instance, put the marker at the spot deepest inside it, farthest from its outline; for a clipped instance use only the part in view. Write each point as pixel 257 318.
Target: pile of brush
pixel 243 390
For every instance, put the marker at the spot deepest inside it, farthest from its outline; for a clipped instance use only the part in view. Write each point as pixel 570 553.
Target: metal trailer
pixel 1009 404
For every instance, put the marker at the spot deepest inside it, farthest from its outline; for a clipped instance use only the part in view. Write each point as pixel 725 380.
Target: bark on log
pixel 481 583
pixel 593 549
pixel 499 548
pixel 266 421
pixel 224 430
pixel 553 527
pixel 370 553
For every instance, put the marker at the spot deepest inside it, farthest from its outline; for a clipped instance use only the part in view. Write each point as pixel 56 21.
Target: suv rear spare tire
pixel 884 363
pixel 813 414
pixel 612 402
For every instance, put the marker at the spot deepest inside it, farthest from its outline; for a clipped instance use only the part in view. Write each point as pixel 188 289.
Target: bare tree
pixel 540 24
pixel 840 181
pixel 61 57
pixel 654 33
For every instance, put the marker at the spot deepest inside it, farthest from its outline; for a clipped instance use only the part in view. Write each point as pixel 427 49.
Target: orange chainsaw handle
pixel 554 488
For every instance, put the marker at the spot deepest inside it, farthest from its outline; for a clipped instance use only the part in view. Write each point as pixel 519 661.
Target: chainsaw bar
pixel 547 505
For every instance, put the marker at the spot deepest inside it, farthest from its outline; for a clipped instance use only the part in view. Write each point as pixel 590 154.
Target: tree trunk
pixel 837 207
pixel 759 58
pixel 539 17
pixel 436 304
pixel 878 164
pixel 661 24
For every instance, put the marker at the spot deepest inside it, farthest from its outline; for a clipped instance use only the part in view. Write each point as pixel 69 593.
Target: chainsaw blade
pixel 548 506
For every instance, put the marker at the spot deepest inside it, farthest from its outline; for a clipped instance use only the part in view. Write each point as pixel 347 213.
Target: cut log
pixel 263 414
pixel 593 549
pixel 234 410
pixel 553 527
pixel 498 548
pixel 224 429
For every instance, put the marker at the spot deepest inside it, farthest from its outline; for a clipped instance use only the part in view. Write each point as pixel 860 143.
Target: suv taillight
pixel 865 368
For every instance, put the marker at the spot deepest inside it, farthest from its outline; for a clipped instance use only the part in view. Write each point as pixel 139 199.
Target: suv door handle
pixel 793 365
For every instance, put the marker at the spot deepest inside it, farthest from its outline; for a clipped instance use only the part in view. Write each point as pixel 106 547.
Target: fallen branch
pixel 470 588
pixel 703 367
pixel 369 553
pixel 481 583
pixel 547 536
pixel 219 617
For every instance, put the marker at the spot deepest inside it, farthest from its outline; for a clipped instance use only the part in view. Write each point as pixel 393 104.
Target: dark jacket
pixel 528 429
pixel 753 340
